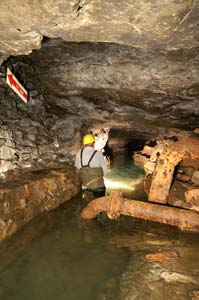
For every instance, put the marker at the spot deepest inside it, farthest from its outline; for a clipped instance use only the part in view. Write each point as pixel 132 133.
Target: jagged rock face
pixel 153 77
pixel 75 87
pixel 112 83
pixel 138 77
pixel 144 24
pixel 131 67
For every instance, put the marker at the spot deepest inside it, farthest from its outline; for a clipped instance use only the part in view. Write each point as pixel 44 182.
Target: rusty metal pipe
pixel 114 206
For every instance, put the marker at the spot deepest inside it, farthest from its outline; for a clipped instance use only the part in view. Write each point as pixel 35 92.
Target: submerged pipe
pixel 115 205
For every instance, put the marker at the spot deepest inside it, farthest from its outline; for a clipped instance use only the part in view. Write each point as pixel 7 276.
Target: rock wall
pixel 28 151
pixel 32 194
pixel 25 144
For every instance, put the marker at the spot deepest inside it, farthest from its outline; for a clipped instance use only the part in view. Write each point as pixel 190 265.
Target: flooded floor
pixel 126 177
pixel 59 256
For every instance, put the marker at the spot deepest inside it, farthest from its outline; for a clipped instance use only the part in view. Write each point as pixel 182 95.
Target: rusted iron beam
pixel 115 205
pixel 168 160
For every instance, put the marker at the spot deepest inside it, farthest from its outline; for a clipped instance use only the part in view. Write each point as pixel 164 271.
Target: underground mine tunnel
pixel 126 72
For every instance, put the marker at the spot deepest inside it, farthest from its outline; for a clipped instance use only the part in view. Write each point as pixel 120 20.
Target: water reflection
pixel 126 177
pixel 162 264
pixel 64 259
pixel 59 256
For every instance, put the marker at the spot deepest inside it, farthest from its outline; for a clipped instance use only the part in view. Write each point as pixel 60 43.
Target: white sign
pixel 12 81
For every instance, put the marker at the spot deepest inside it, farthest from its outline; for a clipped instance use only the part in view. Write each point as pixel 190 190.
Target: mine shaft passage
pixel 126 177
pixel 160 160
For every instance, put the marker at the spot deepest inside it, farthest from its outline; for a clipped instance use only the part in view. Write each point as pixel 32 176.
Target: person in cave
pixel 92 168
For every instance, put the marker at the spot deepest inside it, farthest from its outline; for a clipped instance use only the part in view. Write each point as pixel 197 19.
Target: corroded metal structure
pixel 186 148
pixel 115 205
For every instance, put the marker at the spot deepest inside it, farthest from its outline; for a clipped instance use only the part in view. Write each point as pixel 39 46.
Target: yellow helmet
pixel 88 139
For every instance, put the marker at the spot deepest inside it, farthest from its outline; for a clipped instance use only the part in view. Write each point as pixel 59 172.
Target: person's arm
pixel 77 161
pixel 102 162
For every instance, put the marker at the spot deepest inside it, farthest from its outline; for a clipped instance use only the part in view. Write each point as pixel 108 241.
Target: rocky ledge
pixel 34 193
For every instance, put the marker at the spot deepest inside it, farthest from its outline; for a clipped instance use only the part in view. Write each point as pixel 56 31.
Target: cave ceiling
pixel 133 64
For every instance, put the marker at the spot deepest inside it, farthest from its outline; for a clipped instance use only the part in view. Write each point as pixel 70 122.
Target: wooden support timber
pixel 168 159
pixel 115 205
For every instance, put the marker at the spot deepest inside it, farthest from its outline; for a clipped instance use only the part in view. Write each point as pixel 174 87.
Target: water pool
pixel 59 256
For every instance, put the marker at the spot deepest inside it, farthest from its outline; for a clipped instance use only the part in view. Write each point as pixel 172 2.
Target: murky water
pixel 124 176
pixel 58 256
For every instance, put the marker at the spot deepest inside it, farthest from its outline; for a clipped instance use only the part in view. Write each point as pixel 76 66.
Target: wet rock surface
pixel 171 276
pixel 32 194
